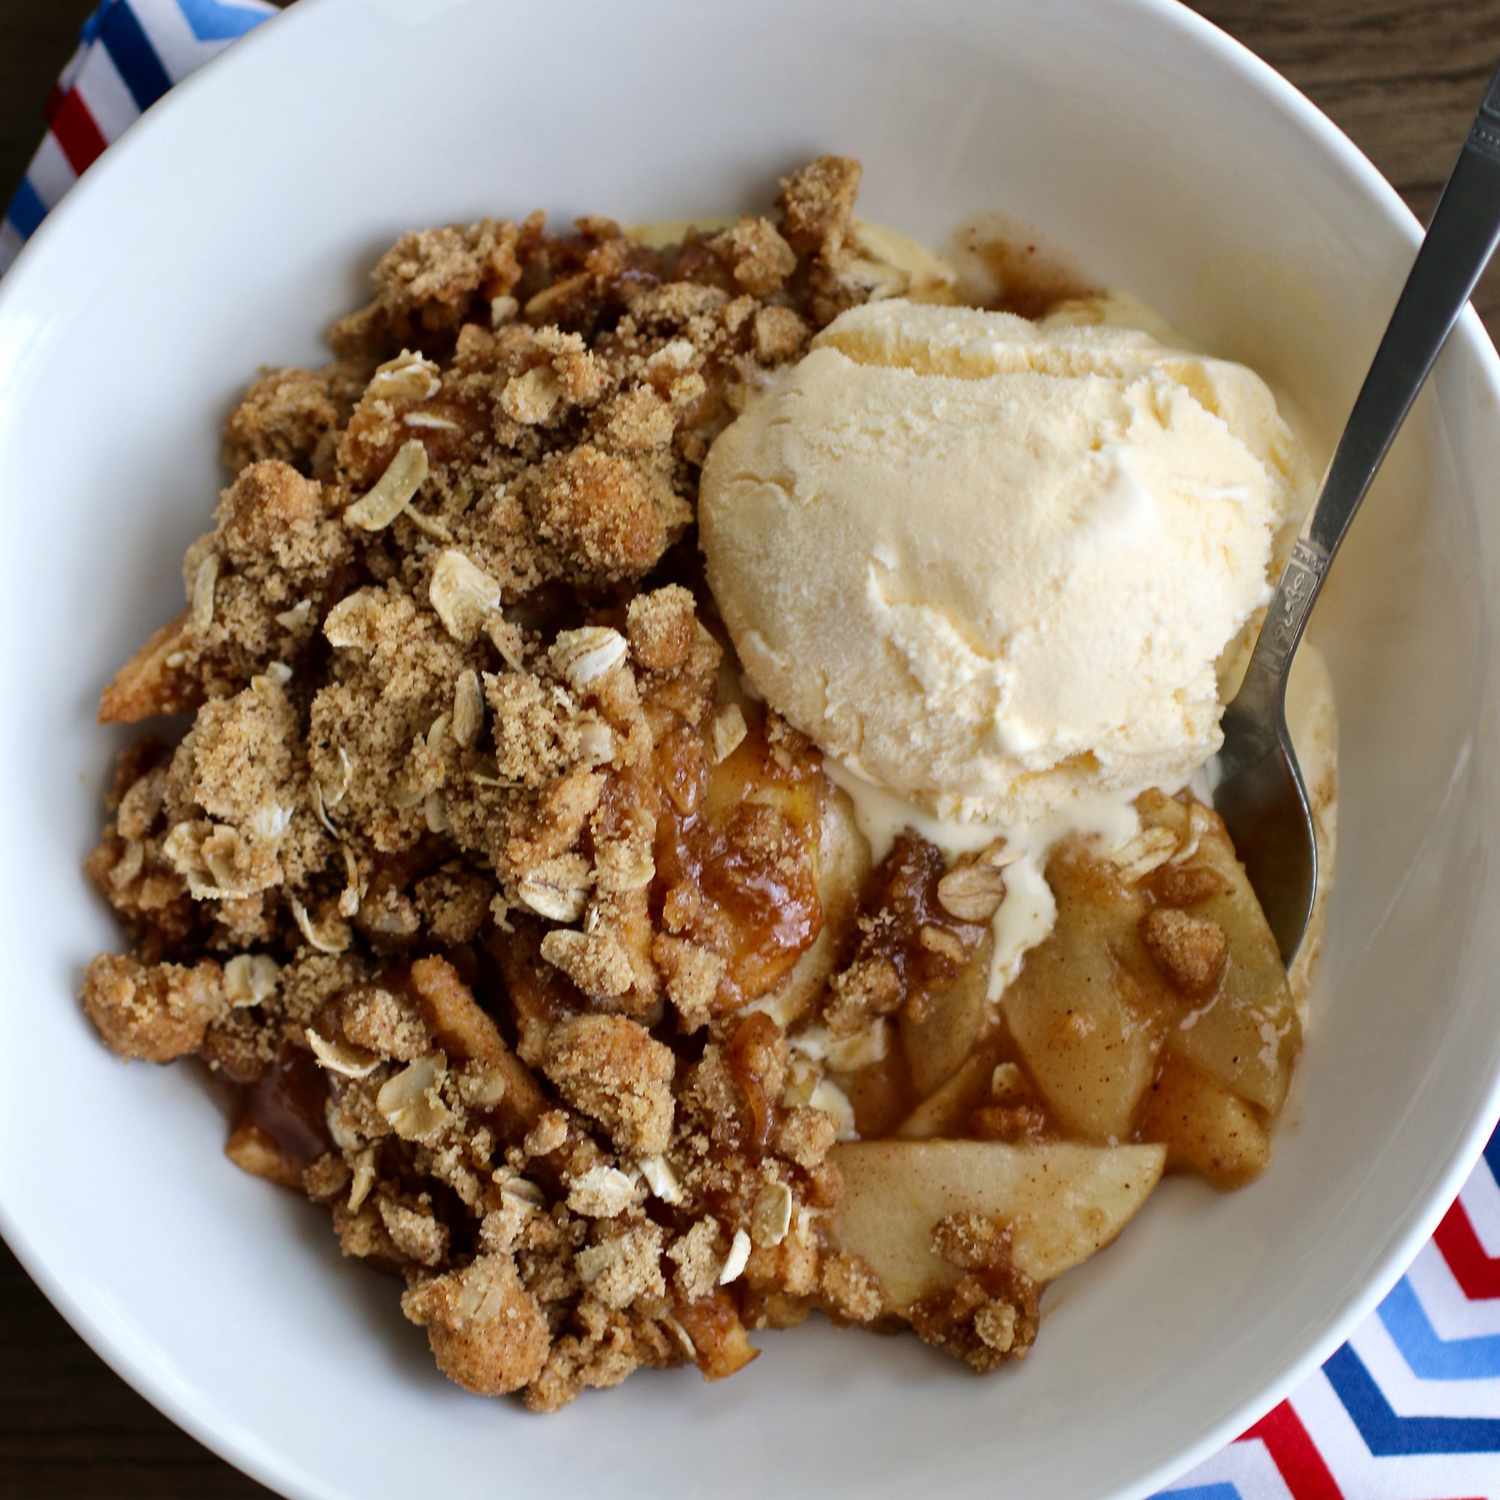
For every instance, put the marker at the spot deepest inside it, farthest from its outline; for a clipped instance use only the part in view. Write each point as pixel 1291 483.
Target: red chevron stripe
pixel 1477 1273
pixel 1292 1451
pixel 76 132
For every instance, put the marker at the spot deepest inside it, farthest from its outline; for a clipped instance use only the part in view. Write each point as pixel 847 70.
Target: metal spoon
pixel 1260 792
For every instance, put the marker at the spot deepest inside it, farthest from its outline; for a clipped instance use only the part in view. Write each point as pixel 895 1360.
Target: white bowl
pixel 226 230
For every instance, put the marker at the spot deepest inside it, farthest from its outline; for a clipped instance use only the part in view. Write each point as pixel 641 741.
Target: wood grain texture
pixel 1402 79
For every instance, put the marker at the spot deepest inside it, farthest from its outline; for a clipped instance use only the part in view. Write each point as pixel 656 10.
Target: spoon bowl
pixel 1262 798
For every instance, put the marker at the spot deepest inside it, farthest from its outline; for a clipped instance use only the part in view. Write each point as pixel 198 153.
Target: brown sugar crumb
pixel 326 1178
pixel 817 204
pixel 241 1046
pixel 623 862
pixel 692 975
pixel 780 334
pixel 292 416
pixel 486 1330
pixel 415 1233
pixel 608 1346
pixel 1190 951
pixel 1184 884
pixel 237 763
pixel 711 1098
pixel 362 1235
pixel 850 1289
pixel 624 1267
pixel 312 980
pixel 759 259
pixel 606 518
pixel 983 1321
pixel 805 1136
pixel 661 628
pixel 157 1011
pixel 272 519
pixel 453 904
pixel 870 986
pixel 144 891
pixel 638 420
pixel 991 1314
pixel 429 280
pixel 611 1069
pixel 551 825
pixel 594 961
pixel 698 1258
pixel 971 1241
pixel 537 736
pixel 156 680
pixel 384 1023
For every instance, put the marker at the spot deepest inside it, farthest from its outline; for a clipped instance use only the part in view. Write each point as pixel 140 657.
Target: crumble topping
pixel 153 1011
pixel 919 928
pixel 462 871
pixel 487 1332
pixel 1189 950
pixel 610 1069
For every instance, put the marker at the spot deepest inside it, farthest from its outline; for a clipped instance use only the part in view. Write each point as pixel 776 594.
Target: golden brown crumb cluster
pixel 919 929
pixel 466 867
pixel 989 1315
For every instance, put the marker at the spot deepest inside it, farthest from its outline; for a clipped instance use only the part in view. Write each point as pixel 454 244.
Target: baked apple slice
pixel 949 1025
pixel 1245 1031
pixel 1205 1128
pixel 1061 1201
pixel 1083 1020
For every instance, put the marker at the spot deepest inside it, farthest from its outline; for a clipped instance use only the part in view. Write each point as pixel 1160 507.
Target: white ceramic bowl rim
pixel 192 1409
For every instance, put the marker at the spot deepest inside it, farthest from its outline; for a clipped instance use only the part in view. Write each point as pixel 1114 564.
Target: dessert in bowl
pixel 1108 1293
pixel 634 955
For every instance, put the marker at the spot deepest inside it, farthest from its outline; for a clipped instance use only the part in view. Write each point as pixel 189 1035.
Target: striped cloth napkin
pixel 1409 1408
pixel 129 54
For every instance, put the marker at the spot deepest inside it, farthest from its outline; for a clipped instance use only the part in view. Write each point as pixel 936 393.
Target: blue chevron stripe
pixel 133 55
pixel 214 21
pixel 1387 1435
pixel 1431 1357
pixel 26 209
pixel 1492 1154
pixel 88 33
pixel 1203 1492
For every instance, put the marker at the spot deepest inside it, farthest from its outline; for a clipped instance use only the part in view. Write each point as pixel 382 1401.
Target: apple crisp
pixel 545 957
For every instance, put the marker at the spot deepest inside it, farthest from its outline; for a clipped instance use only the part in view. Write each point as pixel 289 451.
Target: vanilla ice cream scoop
pixel 989 564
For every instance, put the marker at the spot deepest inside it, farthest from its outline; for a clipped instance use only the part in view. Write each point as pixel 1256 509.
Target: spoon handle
pixel 1460 240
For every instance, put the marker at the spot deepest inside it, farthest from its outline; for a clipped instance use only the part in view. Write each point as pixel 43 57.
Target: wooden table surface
pixel 1402 77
